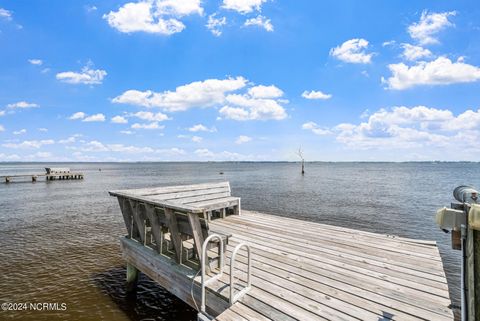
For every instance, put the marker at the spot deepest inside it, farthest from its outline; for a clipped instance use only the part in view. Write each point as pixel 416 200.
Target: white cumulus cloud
pixel 147 115
pixel 412 53
pixel 70 140
pixel 204 153
pixel 441 71
pixel 260 21
pixel 20 132
pixel 29 144
pixel 196 94
pixel 415 127
pixel 158 17
pixel 258 102
pixel 429 25
pixel 262 91
pixel 6 14
pixel 197 139
pixel 215 24
pixel 22 105
pixel 352 51
pixel 94 118
pixel 245 107
pixel 316 94
pixel 201 128
pixel 119 120
pixel 418 129
pixel 243 139
pixel 243 6
pixel 37 62
pixel 316 129
pixel 78 115
pixel 86 76
pixel 153 125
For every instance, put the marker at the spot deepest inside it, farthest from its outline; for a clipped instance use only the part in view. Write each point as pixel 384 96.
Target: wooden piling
pixel 132 278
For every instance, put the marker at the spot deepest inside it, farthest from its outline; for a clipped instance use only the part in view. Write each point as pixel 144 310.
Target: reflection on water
pixel 150 301
pixel 59 240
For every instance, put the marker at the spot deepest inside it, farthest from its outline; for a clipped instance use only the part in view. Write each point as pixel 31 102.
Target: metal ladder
pixel 203 315
pixel 235 297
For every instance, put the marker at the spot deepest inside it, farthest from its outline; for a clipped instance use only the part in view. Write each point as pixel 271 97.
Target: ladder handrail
pixel 234 298
pixel 202 262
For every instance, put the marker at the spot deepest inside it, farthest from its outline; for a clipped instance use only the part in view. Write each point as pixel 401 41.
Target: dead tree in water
pixel 300 154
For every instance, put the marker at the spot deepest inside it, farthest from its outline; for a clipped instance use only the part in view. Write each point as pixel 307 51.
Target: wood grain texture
pixel 301 270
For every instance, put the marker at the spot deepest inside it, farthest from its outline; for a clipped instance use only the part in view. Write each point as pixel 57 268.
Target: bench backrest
pixel 175 195
pixel 186 193
pixel 130 207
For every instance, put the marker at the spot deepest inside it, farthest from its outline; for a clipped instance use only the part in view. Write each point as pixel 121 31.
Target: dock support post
pixel 476 262
pixel 473 274
pixel 237 210
pixel 132 278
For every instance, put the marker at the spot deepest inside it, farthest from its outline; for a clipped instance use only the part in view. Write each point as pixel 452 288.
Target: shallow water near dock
pixel 59 240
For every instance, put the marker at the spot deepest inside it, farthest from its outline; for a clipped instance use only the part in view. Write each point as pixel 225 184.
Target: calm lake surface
pixel 59 240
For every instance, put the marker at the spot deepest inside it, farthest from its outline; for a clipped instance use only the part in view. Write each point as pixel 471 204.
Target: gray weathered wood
pixel 197 232
pixel 188 198
pixel 301 270
pixel 132 278
pixel 175 235
pixel 156 226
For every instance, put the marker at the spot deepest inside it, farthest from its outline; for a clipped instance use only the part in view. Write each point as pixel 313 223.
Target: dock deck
pixel 310 271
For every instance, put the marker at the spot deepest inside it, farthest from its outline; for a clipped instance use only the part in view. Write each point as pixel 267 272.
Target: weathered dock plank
pixel 301 270
pixel 294 282
pixel 288 264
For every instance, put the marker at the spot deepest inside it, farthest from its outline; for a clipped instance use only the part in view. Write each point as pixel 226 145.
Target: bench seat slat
pixel 202 198
pixel 212 201
pixel 219 203
pixel 182 195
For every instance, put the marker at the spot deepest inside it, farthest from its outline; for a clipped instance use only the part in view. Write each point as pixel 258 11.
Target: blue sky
pixel 239 80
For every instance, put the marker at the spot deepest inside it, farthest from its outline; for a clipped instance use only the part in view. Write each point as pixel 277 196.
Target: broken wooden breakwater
pixel 50 175
pixel 299 270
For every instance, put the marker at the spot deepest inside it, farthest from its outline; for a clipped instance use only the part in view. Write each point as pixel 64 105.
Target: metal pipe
pixel 465 194
pixel 234 298
pixel 463 289
pixel 203 261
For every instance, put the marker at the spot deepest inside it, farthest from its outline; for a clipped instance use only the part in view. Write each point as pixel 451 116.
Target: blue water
pixel 59 239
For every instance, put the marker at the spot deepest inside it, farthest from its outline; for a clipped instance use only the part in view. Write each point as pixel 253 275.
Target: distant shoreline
pixel 248 162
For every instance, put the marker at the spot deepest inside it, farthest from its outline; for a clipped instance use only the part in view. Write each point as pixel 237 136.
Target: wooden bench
pixel 176 214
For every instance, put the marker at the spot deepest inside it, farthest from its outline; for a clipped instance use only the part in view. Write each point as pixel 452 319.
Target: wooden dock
pixel 300 270
pixel 310 271
pixel 50 175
